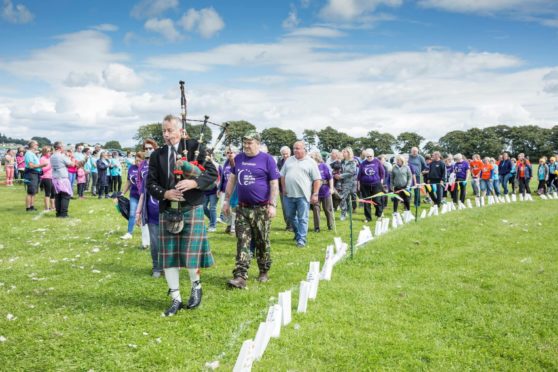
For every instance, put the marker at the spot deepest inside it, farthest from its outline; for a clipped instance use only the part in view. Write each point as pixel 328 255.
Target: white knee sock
pixel 173 280
pixel 194 276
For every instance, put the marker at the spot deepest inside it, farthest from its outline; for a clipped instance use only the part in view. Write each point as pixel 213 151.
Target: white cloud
pixel 152 8
pixel 305 3
pixel 83 53
pixel 106 27
pixel 292 19
pixel 474 6
pixel 316 31
pixel 164 27
pixel 544 12
pixel 206 22
pixel 121 78
pixel 551 82
pixel 349 10
pixel 17 14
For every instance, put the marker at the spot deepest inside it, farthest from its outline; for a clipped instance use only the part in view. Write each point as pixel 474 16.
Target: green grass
pixel 462 291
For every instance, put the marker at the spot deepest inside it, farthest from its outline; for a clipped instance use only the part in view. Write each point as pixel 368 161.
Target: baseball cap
pixel 252 135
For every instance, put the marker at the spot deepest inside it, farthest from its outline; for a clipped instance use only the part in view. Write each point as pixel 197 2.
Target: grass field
pixel 471 290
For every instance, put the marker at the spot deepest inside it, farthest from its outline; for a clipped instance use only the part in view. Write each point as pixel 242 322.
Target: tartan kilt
pixel 189 248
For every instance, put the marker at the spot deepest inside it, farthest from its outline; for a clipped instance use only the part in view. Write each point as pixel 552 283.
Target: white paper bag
pixel 469 204
pixel 285 303
pixel 245 357
pixel 303 296
pixel 514 198
pixel 423 213
pixel 261 340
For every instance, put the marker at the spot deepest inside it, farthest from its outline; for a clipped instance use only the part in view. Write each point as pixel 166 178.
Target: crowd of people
pixel 172 188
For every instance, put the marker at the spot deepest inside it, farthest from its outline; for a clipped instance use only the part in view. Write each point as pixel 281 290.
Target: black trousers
pixel 523 186
pixel 436 196
pixel 116 183
pixel 368 190
pixel 62 203
pixel 81 189
pixel 461 189
pixel 406 199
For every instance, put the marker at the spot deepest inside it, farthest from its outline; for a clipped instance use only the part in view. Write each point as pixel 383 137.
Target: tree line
pixel 532 140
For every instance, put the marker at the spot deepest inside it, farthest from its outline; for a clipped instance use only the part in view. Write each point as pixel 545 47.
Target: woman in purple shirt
pixel 132 186
pixel 461 171
pixel 324 194
pixel 370 182
pixel 147 212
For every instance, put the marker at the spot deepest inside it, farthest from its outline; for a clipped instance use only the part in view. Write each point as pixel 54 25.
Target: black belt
pixel 245 205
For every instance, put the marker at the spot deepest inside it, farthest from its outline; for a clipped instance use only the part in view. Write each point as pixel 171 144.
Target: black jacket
pixel 437 170
pixel 158 181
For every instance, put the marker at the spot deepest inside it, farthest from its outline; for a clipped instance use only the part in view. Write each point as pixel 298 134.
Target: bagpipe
pixel 192 169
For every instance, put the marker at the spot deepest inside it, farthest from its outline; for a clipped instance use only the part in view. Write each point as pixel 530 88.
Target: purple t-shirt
pixel 371 172
pixel 151 204
pixel 326 176
pixel 460 170
pixel 225 176
pixel 133 173
pixel 252 177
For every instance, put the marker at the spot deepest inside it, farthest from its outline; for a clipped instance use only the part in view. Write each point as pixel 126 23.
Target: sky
pixel 95 71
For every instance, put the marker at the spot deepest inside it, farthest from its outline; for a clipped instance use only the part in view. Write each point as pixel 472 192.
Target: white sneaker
pixel 211 229
pixel 126 236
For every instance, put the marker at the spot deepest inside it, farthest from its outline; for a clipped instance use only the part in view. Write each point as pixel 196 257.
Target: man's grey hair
pixel 173 120
pixel 285 149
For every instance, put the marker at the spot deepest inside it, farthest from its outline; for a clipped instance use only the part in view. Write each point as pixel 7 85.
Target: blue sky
pixel 96 71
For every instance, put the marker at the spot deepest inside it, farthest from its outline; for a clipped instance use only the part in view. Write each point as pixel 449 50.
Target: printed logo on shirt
pixel 245 177
pixel 369 171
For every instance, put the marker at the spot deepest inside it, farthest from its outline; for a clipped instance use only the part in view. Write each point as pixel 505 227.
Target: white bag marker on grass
pixel 262 340
pixel 477 202
pixel 423 213
pixel 543 197
pixel 385 225
pixel 364 236
pixel 245 357
pixel 378 228
pixel 507 198
pixel 274 320
pixel 399 219
pixel 469 204
pixel 521 197
pixel 528 197
pixel 514 198
pixel 303 297
pixel 337 242
pixel 313 277
pixel 328 264
pixel 285 302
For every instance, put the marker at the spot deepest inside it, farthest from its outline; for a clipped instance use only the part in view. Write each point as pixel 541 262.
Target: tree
pixel 42 141
pixel 381 143
pixel 309 136
pixel 236 130
pixel 431 146
pixel 532 140
pixel 407 140
pixel 275 138
pixel 152 131
pixel 455 142
pixel 194 132
pixel 332 139
pixel 112 145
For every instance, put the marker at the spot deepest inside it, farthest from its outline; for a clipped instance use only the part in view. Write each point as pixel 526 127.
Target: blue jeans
pixel 210 209
pixel 132 218
pixel 496 186
pixel 486 186
pixel 72 177
pixel 504 180
pixel 297 212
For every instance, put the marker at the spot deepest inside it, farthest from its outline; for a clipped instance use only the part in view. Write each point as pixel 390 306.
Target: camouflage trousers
pixel 252 223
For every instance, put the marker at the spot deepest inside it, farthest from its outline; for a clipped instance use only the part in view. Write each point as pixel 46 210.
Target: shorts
pixel 48 187
pixel 33 183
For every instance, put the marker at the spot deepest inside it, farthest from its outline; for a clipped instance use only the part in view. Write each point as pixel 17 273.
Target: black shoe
pixel 195 296
pixel 317 229
pixel 174 308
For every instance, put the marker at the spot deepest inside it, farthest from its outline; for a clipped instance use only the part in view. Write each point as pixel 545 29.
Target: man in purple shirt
pixel 370 182
pixel 255 176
